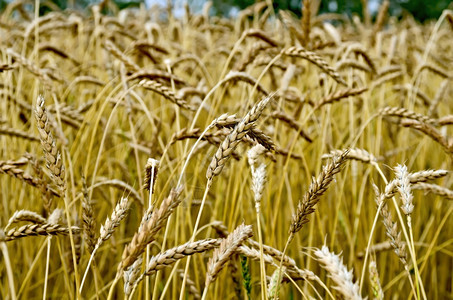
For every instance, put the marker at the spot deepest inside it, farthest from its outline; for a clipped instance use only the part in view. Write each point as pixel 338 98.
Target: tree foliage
pixel 422 10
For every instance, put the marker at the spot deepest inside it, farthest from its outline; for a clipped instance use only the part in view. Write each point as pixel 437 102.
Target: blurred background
pixel 422 10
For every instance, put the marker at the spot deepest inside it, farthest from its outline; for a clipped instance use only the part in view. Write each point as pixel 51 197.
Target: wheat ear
pixel 233 139
pixel 118 214
pixel 315 191
pixel 26 216
pixel 52 154
pixel 38 229
pixel 354 154
pixel 89 223
pixel 338 273
pixel 316 60
pixel 375 282
pixel 222 254
pixel 147 232
pixel 11 167
pixel 391 227
pixel 434 188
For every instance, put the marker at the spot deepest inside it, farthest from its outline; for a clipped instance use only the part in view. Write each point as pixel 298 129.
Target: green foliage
pixel 420 9
pixel 423 10
pixel 246 276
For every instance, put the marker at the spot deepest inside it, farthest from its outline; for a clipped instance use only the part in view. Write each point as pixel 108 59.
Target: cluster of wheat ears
pixel 117 129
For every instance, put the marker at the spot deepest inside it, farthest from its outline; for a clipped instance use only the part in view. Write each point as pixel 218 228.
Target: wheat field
pixel 258 157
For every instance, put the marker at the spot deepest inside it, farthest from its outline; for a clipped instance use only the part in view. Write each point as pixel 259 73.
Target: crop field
pixel 145 156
